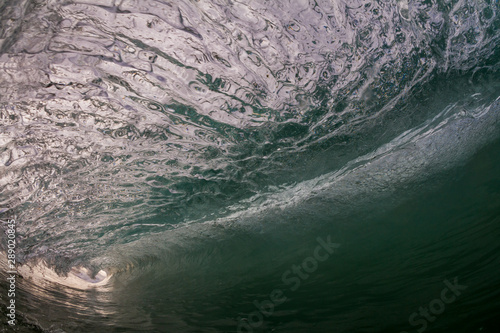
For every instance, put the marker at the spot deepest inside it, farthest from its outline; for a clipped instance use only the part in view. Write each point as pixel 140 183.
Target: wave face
pixel 167 163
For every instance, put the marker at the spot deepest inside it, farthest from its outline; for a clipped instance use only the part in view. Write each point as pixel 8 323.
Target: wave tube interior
pixel 250 166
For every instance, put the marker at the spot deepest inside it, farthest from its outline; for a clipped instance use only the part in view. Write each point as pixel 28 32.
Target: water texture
pixel 194 151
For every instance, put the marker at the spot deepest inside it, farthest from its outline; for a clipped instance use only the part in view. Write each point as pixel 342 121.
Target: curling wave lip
pixel 78 277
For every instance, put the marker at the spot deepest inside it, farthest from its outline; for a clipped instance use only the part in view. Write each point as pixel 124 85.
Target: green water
pixel 385 266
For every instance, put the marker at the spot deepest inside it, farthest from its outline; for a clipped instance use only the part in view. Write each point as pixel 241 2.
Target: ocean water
pixel 250 166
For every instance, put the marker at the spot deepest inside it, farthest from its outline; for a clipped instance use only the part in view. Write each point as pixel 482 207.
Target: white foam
pixel 78 277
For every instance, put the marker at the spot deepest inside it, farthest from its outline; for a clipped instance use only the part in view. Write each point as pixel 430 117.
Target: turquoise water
pixel 288 166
